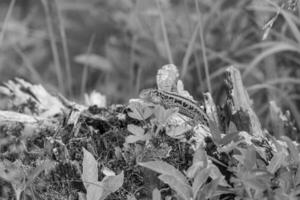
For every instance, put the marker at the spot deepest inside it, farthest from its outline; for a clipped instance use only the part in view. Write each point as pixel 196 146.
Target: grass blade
pixel 65 49
pixel 29 65
pixel 164 30
pixel 85 67
pixel 277 47
pixel 288 17
pixel 206 68
pixel 189 50
pixel 284 96
pixel 54 48
pixel 4 24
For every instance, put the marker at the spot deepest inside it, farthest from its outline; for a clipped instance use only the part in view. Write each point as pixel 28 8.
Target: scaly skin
pixel 186 106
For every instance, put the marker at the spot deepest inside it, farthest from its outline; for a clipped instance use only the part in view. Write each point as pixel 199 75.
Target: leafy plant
pixel 198 173
pixel 21 178
pixel 98 190
pixel 139 134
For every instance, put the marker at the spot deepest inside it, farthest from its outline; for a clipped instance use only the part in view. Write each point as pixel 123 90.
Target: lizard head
pixel 151 95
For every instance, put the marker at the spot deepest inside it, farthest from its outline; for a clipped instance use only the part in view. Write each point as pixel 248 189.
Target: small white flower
pixel 95 98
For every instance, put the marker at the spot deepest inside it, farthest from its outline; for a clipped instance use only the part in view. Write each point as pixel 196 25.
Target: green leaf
pixel 162 115
pixel 182 189
pixel 199 180
pixel 210 189
pixel 156 194
pixel 136 115
pixel 94 191
pixel 139 111
pixel 297 176
pixel 216 174
pixel 139 134
pixel 285 180
pixel 247 157
pixel 131 197
pixel 278 160
pixel 293 150
pixel 132 139
pixel 136 130
pixel 100 190
pixel 89 168
pixel 34 173
pixel 199 162
pixel 256 180
pixel 111 184
pixel 13 173
pixel 165 169
pixel 177 132
pixel 229 137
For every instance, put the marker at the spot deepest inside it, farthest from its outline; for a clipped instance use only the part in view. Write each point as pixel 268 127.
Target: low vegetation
pixel 235 61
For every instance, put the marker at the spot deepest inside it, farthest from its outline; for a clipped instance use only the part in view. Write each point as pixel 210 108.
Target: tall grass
pixel 34 74
pixel 7 17
pixel 54 47
pixel 206 68
pixel 65 49
pixel 84 76
pixel 165 34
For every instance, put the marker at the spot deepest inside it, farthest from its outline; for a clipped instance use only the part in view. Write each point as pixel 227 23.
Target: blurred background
pixel 116 46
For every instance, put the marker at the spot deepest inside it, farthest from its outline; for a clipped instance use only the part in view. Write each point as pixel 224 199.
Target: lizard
pixel 187 107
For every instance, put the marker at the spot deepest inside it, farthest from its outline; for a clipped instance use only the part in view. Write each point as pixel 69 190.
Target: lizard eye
pixel 144 94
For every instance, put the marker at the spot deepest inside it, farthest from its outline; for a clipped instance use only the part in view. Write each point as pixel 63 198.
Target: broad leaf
pixel 94 191
pixel 177 132
pixel 139 111
pixel 156 194
pixel 13 172
pixel 132 139
pixel 111 184
pixel 200 156
pixel 199 162
pixel 100 190
pixel 182 189
pixel 131 197
pixel 136 130
pixel 89 168
pixel 209 189
pixel 162 115
pixel 278 160
pixel 247 157
pixel 165 169
pixel 229 137
pixel 138 134
pixel 254 180
pixel 293 150
pixel 216 174
pixel 199 180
